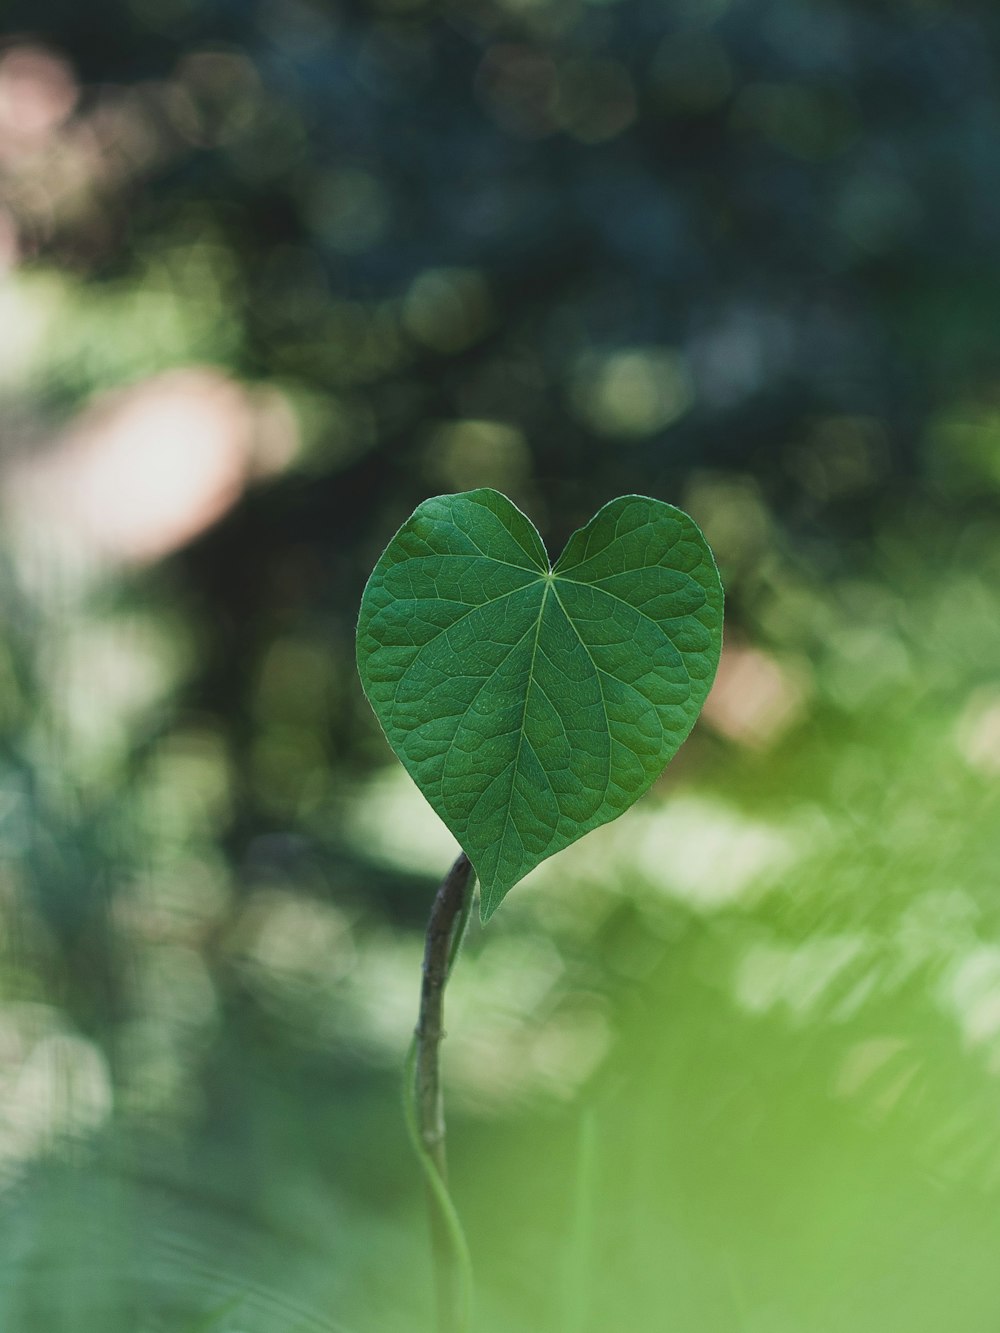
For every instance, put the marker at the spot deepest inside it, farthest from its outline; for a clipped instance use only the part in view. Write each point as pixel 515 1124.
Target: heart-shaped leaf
pixel 530 704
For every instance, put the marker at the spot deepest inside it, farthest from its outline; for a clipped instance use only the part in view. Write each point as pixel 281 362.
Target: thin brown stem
pixel 447 920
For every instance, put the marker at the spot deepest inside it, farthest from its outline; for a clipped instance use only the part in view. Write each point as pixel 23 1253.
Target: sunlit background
pixel 272 272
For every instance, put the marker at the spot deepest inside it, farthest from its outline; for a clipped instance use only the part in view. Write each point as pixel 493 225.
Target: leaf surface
pixel 530 704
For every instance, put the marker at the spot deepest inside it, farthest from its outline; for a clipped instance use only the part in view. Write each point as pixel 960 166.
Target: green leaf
pixel 530 704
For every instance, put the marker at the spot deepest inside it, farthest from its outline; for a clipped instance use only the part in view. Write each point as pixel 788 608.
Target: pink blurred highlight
pixel 145 469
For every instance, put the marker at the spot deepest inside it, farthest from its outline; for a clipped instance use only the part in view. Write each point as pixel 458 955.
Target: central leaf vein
pixel 600 687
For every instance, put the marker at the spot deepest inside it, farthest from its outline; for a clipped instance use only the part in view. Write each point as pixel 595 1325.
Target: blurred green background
pixel 272 272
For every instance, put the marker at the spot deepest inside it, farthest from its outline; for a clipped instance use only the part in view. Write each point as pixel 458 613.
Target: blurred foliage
pixel 273 271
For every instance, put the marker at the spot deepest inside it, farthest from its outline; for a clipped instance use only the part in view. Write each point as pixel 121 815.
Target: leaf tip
pixel 490 898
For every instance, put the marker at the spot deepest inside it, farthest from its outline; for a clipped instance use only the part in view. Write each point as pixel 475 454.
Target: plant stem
pixel 452 1270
